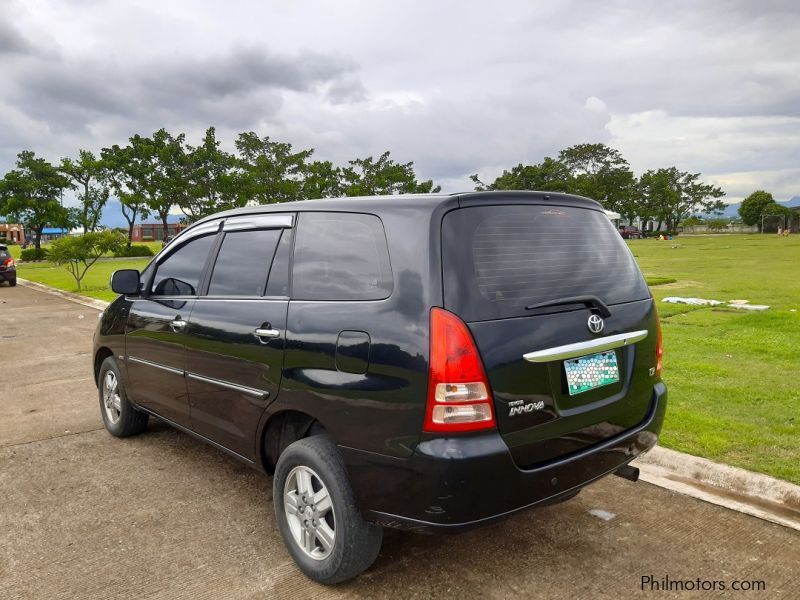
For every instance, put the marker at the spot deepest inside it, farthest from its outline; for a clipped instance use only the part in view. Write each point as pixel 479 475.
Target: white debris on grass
pixel 740 304
pixel 692 301
pixel 749 306
pixel 602 514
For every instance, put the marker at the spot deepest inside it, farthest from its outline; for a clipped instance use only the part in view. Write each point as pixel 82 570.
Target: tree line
pixel 666 195
pixel 152 174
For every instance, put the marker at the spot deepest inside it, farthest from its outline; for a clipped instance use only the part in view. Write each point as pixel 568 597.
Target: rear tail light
pixel 458 390
pixel 9 262
pixel 659 348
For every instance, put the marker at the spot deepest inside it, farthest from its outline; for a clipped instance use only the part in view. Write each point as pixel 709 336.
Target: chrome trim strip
pixel 149 363
pixel 261 394
pixel 581 348
pixel 257 222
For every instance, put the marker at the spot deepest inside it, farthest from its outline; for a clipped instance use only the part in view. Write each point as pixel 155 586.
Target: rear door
pixel 236 332
pixel 528 279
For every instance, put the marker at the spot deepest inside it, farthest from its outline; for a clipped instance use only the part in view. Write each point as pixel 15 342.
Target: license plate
pixel 590 372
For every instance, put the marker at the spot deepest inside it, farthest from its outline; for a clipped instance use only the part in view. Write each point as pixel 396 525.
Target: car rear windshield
pixel 499 259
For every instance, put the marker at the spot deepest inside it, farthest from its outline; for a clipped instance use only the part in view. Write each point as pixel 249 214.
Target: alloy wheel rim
pixel 112 403
pixel 309 513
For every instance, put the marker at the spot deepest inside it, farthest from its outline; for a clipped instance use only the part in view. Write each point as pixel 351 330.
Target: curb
pixel 744 491
pixel 77 298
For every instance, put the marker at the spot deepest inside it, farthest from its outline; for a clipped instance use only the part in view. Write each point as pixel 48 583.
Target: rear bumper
pixel 450 484
pixel 8 275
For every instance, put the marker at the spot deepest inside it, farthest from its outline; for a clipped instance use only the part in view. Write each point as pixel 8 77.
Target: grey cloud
pixel 239 88
pixel 12 41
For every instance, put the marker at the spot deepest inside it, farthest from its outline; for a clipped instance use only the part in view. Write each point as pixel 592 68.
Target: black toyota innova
pixel 428 362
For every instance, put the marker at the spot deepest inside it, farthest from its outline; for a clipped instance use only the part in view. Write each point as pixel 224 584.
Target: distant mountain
pixel 112 216
pixel 732 210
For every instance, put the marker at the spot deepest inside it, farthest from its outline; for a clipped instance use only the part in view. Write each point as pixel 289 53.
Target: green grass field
pixel 733 376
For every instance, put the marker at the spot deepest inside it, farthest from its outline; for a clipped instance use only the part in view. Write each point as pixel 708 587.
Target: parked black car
pixel 8 267
pixel 629 232
pixel 423 362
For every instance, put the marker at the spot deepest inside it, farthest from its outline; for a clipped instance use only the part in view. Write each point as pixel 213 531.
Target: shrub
pixel 8 242
pixel 33 254
pixel 79 253
pixel 133 251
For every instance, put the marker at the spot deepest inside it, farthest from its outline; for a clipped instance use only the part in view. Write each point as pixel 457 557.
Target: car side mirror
pixel 125 281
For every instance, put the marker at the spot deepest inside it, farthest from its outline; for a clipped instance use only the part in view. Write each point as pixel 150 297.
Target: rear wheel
pixel 12 282
pixel 317 514
pixel 119 416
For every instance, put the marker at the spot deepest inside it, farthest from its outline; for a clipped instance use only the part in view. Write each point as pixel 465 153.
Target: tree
pixel 31 194
pixel 271 171
pixel 322 180
pixel 79 253
pixel 213 182
pixel 124 180
pixel 87 175
pixel 599 172
pixel 159 167
pixel 370 177
pixel 755 206
pixel 673 195
pixel 550 175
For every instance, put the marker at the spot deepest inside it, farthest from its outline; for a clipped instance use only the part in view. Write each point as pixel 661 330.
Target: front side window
pixel 340 256
pixel 243 263
pixel 179 274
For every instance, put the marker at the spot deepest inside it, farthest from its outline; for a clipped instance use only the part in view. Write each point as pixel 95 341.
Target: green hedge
pixel 134 250
pixel 33 254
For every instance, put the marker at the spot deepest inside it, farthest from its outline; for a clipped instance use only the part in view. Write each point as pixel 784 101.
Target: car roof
pixel 424 202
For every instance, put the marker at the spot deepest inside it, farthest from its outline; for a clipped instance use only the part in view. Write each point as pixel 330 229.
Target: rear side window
pixel 179 274
pixel 340 256
pixel 499 259
pixel 243 263
pixel 4 253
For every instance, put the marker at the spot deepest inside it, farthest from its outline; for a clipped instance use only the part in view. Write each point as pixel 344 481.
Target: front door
pixel 156 333
pixel 236 332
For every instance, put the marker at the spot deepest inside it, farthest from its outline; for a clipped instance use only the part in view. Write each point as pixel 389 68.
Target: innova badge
pixel 595 324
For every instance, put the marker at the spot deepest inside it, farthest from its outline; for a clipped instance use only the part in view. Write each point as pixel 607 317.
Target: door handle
pixel 177 324
pixel 263 332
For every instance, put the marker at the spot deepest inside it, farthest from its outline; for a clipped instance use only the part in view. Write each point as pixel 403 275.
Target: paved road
pixel 84 515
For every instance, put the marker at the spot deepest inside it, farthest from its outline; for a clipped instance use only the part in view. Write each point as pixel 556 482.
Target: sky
pixel 458 87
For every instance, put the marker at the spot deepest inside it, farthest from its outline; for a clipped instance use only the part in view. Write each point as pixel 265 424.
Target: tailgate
pixel 536 414
pixel 527 278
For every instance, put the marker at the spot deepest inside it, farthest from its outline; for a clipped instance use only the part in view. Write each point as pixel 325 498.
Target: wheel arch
pixel 102 353
pixel 282 429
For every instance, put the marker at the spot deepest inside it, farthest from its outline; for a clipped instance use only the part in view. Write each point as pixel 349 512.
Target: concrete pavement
pixel 85 515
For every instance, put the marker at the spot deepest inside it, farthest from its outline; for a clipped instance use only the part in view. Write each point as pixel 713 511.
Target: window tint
pixel 243 263
pixel 340 256
pixel 278 284
pixel 499 259
pixel 179 274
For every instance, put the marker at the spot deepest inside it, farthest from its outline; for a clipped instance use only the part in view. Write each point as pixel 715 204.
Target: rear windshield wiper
pixel 589 301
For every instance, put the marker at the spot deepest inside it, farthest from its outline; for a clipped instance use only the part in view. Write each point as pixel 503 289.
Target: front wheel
pixel 119 416
pixel 317 514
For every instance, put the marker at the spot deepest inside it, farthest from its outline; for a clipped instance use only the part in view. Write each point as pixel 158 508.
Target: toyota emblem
pixel 595 324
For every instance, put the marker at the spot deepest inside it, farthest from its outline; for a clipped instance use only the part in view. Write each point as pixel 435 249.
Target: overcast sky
pixel 458 87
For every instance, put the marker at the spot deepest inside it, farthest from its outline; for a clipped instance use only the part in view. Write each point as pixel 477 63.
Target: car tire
pixel 120 417
pixel 12 282
pixel 337 543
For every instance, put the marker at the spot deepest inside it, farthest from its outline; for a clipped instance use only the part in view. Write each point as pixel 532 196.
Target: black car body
pixel 8 267
pixel 426 336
